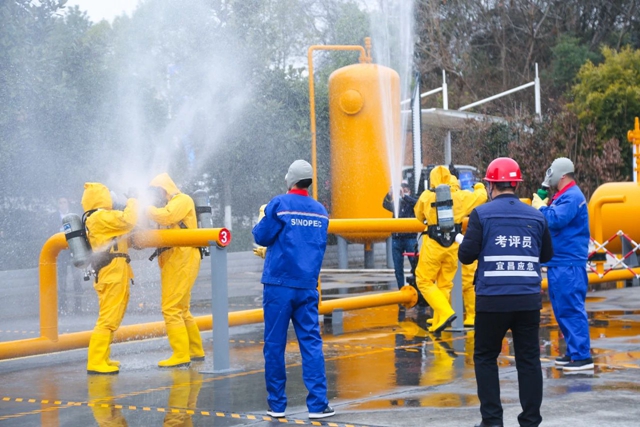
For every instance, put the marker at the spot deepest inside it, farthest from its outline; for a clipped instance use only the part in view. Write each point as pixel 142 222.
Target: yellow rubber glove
pixel 479 186
pixel 537 202
pixel 260 251
pixel 261 215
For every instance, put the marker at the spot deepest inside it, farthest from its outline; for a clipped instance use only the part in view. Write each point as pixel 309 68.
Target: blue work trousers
pixel 282 304
pixel 398 247
pixel 567 292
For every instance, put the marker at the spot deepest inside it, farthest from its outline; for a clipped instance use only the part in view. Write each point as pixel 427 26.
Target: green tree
pixel 607 96
pixel 568 55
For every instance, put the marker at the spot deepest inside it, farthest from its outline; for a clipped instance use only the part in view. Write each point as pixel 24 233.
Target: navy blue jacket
pixel 405 210
pixel 510 240
pixel 294 230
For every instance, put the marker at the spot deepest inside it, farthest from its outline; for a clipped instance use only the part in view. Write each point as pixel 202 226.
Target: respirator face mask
pixel 551 179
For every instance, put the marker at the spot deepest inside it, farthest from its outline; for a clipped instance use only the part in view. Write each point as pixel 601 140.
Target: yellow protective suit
pixel 105 231
pixel 179 268
pixel 438 264
pixel 468 272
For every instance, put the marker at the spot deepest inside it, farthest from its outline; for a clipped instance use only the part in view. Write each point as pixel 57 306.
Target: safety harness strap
pixel 103 259
pixel 182 225
pixel 203 209
pixel 445 238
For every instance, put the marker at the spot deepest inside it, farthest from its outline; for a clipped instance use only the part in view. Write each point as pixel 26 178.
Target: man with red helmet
pixel 510 240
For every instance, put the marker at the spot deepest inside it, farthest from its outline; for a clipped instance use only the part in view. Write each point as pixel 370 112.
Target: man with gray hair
pixel 568 220
pixel 293 228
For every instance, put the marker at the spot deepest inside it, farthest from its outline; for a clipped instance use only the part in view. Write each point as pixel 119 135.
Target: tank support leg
pixel 368 255
pixel 343 254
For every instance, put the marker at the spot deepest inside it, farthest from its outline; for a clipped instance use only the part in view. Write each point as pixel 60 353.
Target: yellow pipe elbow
pixel 49 285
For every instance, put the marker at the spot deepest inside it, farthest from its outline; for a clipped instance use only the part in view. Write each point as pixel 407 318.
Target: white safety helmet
pixel 560 167
pixel 299 170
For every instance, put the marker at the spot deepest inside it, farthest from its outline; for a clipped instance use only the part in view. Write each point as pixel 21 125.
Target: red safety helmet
pixel 503 169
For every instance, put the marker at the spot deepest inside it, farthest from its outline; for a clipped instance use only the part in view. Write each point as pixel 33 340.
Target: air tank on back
pixel 616 216
pixel 364 112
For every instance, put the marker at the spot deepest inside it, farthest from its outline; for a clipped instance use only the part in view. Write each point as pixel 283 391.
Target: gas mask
pixel 157 197
pixel 560 167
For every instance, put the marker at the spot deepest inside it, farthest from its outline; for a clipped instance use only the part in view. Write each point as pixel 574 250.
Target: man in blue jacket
pixel 568 220
pixel 294 231
pixel 509 240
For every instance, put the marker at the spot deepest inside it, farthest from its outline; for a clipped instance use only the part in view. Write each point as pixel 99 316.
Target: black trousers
pixel 491 328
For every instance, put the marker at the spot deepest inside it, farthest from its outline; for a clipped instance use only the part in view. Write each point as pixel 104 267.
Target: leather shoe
pixel 483 424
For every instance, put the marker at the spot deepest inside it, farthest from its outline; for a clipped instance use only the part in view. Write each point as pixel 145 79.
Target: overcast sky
pixel 104 9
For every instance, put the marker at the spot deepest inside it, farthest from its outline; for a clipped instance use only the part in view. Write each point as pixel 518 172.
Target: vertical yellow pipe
pixel 633 136
pixel 49 286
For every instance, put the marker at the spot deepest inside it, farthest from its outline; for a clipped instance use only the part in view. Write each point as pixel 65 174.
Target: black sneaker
pixel 579 365
pixel 328 411
pixel 561 361
pixel 275 414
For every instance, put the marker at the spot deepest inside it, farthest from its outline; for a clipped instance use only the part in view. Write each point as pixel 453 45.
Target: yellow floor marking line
pixel 218 414
pixel 34 412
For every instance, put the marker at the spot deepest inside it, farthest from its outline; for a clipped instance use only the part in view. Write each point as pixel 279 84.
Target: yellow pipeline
pixel 406 296
pixel 364 57
pixel 147 238
pixel 395 225
pixel 50 341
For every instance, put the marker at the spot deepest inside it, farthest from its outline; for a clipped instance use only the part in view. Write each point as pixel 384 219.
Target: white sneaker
pixel 275 414
pixel 328 411
pixel 579 365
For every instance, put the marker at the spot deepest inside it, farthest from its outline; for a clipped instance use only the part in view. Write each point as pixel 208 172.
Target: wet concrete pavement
pixel 383 368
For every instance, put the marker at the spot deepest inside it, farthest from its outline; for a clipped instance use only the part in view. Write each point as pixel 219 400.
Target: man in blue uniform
pixel 294 231
pixel 510 240
pixel 568 220
pixel 401 242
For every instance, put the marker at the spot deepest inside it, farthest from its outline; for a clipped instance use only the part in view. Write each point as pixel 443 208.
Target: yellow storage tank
pixel 616 216
pixel 364 112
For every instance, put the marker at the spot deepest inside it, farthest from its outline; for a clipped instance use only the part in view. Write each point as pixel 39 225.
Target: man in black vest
pixel 401 242
pixel 510 240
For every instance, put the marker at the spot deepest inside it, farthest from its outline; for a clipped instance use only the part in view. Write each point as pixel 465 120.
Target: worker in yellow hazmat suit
pixel 468 272
pixel 438 260
pixel 110 261
pixel 179 268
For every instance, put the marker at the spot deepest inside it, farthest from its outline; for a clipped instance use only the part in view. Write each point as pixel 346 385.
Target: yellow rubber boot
pixel 179 342
pixel 443 313
pixel 195 343
pixel 469 294
pixel 98 353
pixel 111 362
pixel 435 319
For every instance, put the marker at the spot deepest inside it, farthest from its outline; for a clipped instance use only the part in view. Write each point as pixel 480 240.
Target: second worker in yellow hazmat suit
pixel 438 263
pixel 468 272
pixel 105 229
pixel 179 268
